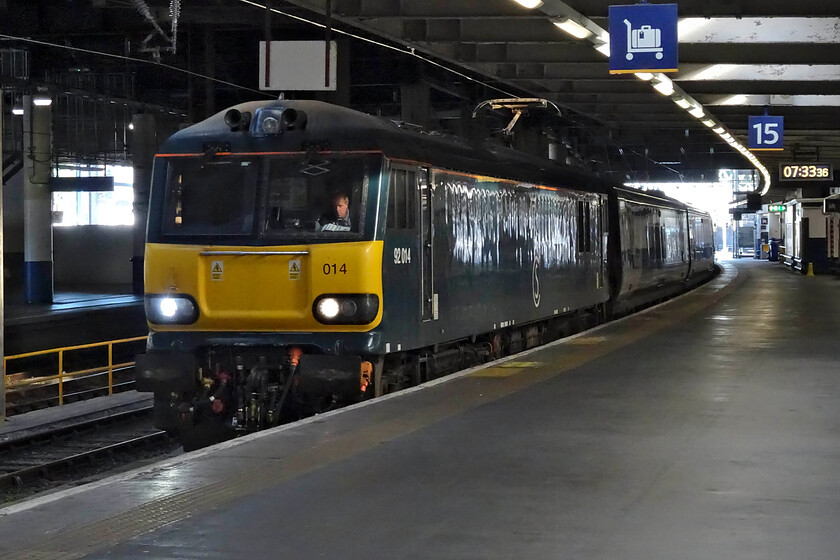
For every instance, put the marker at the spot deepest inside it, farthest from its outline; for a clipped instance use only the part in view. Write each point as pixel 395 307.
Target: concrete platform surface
pixel 20 426
pixel 704 428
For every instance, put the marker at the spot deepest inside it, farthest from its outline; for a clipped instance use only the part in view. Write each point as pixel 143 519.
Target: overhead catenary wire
pixel 410 51
pixel 132 59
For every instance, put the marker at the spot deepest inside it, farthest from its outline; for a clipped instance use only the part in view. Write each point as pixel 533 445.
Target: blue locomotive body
pixel 457 253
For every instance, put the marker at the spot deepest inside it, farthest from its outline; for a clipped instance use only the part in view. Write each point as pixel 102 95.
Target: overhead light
pixel 709 122
pixel 646 76
pixel 17 111
pixel 572 27
pixel 718 130
pixel 739 99
pixel 41 101
pixel 663 85
pixel 530 4
pixel 682 102
pixel 604 49
pixel 697 112
pixel 131 126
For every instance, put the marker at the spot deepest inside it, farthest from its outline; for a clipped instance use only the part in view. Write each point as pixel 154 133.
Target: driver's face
pixel 341 207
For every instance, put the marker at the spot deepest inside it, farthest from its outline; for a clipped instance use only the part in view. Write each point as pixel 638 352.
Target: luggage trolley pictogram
pixel 643 40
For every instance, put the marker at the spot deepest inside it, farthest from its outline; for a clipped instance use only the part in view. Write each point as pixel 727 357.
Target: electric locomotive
pixel 301 256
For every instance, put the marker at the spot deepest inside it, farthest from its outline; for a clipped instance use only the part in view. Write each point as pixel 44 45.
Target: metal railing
pixel 37 380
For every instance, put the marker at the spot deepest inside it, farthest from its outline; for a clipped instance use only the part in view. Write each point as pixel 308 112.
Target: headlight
pixel 171 309
pixel 275 120
pixel 270 125
pixel 329 308
pixel 346 309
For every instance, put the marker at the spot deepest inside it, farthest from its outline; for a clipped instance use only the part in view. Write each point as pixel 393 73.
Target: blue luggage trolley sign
pixel 643 38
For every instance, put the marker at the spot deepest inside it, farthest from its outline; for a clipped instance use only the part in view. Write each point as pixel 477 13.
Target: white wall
pixel 92 254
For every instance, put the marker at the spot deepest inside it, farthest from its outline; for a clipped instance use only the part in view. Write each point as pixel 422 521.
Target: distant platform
pixel 78 315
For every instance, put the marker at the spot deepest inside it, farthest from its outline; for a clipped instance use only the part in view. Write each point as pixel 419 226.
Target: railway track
pixel 78 450
pixel 26 399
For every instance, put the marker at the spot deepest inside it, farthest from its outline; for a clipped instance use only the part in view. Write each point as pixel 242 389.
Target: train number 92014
pixel 402 255
pixel 335 268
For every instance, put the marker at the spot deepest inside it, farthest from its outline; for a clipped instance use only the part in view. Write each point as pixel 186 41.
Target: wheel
pixel 206 432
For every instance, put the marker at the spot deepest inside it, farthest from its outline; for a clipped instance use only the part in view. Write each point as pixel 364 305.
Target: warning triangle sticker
pixel 294 267
pixel 217 267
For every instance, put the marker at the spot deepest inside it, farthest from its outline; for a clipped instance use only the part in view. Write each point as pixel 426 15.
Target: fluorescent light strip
pixel 660 83
pixel 530 4
pixel 664 86
pixel 572 27
pixel 697 112
pixel 604 49
pixel 682 102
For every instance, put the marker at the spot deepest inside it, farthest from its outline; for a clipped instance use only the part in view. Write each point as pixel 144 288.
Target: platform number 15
pixel 766 132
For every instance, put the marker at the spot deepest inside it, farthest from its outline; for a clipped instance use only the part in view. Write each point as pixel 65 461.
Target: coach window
pixel 402 206
pixel 656 237
pixel 584 237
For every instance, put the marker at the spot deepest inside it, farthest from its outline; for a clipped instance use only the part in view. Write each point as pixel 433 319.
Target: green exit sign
pixel 776 208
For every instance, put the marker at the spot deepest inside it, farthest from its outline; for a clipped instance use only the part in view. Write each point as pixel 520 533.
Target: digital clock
pixel 805 172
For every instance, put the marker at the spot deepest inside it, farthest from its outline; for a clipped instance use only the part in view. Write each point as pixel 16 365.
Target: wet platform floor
pixel 707 427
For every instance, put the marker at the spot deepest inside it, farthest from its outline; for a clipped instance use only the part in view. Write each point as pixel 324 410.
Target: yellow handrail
pixel 63 374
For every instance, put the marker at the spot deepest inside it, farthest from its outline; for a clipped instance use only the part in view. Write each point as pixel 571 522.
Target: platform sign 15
pixel 766 133
pixel 643 38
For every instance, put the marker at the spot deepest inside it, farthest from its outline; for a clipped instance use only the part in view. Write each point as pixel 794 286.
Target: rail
pixel 11 382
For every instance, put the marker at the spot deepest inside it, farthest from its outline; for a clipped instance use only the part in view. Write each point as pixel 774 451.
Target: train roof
pixel 655 198
pixel 341 129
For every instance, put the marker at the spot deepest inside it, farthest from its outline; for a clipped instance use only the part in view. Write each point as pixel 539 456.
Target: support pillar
pixel 37 203
pixel 2 299
pixel 143 147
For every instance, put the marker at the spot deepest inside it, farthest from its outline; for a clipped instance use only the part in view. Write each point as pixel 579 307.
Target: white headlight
pixel 328 308
pixel 171 309
pixel 270 125
pixel 168 307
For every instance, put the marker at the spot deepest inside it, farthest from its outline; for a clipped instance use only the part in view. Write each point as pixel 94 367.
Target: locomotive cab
pixel 263 274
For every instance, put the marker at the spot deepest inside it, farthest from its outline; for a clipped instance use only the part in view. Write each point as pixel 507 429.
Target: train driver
pixel 340 221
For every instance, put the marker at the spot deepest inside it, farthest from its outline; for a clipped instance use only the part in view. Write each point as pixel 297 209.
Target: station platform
pixel 22 426
pixel 705 427
pixel 78 315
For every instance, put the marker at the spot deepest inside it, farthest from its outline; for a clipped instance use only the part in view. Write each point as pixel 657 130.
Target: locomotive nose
pixel 264 288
